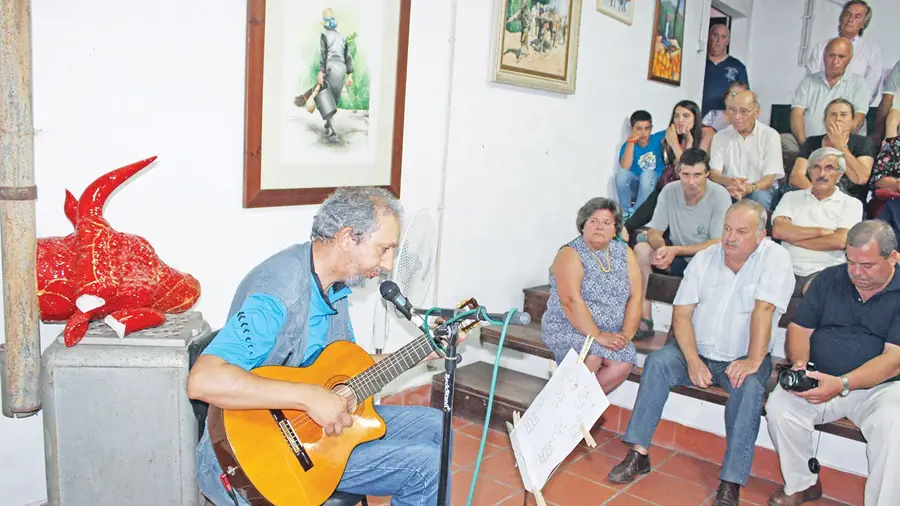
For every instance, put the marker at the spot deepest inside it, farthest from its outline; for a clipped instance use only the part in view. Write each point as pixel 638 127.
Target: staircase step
pixel 527 339
pixel 514 391
pixel 536 301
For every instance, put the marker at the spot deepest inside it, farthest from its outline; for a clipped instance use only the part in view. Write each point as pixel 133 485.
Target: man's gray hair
pixel 879 231
pixel 761 215
pixel 821 153
pixel 356 207
pixel 868 13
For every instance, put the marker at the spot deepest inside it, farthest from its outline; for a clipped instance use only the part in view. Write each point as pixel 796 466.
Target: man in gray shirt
pixel 693 210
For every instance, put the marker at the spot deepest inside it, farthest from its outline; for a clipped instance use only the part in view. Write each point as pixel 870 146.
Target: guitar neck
pixel 373 379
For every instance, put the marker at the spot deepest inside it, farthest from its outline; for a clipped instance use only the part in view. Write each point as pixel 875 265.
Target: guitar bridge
pixel 287 430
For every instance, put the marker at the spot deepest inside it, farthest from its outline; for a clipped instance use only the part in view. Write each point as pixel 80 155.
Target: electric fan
pixel 413 267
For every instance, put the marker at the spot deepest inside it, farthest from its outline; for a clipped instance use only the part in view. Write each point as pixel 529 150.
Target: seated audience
pixel 641 161
pixel 848 325
pixel 722 69
pixel 692 210
pixel 812 224
pixel 718 119
pixel 858 152
pixel 867 62
pixel 746 156
pixel 595 290
pixel 891 88
pixel 817 90
pixel 746 278
pixel 685 131
pixel 890 214
pixel 886 170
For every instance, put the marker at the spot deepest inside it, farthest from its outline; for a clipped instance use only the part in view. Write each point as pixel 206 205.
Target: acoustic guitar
pixel 282 457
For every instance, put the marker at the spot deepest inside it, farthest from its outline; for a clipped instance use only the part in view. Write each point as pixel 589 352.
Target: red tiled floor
pixel 678 477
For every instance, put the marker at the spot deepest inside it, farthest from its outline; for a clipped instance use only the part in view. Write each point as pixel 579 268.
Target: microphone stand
pixel 449 385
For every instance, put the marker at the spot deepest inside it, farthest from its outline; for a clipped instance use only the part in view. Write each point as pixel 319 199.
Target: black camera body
pixel 797 381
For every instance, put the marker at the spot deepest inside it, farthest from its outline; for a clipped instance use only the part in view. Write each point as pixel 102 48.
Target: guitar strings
pixel 404 354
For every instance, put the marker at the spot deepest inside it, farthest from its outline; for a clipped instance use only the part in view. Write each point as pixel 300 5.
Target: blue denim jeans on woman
pixel 404 464
pixel 667 368
pixel 628 185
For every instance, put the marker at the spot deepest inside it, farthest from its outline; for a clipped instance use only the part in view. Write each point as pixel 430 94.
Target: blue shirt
pixel 249 335
pixel 647 157
pixel 718 78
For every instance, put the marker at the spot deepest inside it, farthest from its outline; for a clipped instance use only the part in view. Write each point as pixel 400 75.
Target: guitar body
pixel 254 448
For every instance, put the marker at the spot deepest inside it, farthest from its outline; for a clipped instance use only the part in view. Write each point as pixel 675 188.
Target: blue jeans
pixel 404 464
pixel 667 368
pixel 764 198
pixel 627 185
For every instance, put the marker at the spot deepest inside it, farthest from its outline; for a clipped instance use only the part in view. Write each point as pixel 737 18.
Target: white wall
pixel 132 79
pixel 115 82
pixel 773 69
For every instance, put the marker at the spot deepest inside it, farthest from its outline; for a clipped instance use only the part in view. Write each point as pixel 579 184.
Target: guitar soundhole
pixel 293 441
pixel 347 392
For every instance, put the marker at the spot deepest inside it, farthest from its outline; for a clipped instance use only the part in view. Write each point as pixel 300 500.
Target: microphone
pixel 391 293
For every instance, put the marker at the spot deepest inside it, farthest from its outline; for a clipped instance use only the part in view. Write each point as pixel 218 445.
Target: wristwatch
pixel 846 389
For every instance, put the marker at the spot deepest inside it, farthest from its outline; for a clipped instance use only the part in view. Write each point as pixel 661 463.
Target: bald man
pixel 722 69
pixel 817 90
pixel 745 157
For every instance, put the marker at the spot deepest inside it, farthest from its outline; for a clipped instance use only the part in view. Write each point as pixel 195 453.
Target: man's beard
pixel 355 281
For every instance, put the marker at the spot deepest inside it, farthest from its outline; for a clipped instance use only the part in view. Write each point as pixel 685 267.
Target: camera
pixel 797 381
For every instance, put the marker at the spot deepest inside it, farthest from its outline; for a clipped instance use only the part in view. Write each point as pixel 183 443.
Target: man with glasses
pixel 745 158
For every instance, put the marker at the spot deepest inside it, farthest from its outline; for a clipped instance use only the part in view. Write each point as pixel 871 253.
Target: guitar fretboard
pixel 373 379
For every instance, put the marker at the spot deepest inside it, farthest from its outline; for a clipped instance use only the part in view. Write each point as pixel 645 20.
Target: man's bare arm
pixel 216 382
pixel 797 126
pixel 783 229
pixel 796 345
pixel 760 331
pixel 692 249
pixel 878 370
pixel 684 331
pixel 831 242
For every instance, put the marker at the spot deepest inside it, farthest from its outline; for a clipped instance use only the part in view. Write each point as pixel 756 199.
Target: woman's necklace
pixel 608 262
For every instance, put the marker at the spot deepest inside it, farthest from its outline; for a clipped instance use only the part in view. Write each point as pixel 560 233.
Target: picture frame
pixel 667 42
pixel 620 10
pixel 549 59
pixel 307 133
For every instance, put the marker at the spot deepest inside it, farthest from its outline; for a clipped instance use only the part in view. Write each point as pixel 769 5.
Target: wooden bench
pixel 516 391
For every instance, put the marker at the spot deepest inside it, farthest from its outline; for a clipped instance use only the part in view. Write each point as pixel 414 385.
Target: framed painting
pixel 622 10
pixel 324 104
pixel 668 41
pixel 536 43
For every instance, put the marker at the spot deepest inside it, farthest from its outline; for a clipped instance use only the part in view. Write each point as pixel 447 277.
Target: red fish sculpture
pixel 97 272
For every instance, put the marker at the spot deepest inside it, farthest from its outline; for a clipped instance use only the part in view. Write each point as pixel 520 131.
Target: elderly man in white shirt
pixel 813 223
pixel 867 62
pixel 816 91
pixel 726 309
pixel 746 157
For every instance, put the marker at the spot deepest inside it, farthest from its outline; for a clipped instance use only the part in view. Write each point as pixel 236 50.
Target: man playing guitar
pixel 285 311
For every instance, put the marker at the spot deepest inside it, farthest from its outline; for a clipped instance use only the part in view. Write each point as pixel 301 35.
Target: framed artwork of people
pixel 324 104
pixel 536 43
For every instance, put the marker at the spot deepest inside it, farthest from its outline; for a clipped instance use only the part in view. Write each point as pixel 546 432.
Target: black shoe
pixel 729 494
pixel 633 466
